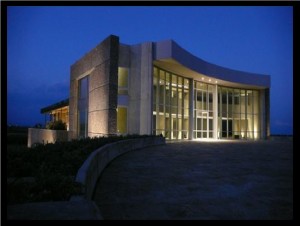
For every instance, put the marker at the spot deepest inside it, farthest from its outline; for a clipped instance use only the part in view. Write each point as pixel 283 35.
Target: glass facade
pixel 83 102
pixel 203 110
pixel 170 104
pixel 238 115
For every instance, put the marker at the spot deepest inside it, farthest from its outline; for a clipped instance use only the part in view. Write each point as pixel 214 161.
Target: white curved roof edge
pixel 171 50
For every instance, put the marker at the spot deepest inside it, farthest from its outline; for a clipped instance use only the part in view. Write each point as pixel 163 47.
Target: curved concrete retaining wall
pixel 91 169
pixel 45 136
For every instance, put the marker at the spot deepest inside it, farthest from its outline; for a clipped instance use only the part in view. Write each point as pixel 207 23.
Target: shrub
pixel 56 125
pixel 53 166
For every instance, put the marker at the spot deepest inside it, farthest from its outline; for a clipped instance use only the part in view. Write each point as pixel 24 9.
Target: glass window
pixel 255 101
pixel 173 102
pixel 240 113
pixel 186 83
pixel 122 120
pixel 83 101
pixel 205 102
pixel 179 82
pixel 122 81
pixel 186 99
pixel 243 101
pixel 249 102
pixel 122 77
pixel 210 101
pixel 180 98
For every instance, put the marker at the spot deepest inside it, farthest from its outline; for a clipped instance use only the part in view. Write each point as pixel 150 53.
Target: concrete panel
pixel 98 99
pixel 134 91
pixel 98 121
pixel 146 87
pixel 124 52
pixel 101 64
pixel 98 55
pixel 45 136
pixel 112 121
pixel 99 76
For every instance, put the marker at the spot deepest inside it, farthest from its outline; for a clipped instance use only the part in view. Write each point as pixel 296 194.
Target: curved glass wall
pixel 238 110
pixel 238 113
pixel 170 104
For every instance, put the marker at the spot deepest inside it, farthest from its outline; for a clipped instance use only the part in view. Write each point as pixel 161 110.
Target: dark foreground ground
pixel 200 180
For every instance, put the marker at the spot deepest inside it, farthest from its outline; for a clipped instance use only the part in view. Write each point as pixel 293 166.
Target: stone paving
pixel 219 180
pixel 64 210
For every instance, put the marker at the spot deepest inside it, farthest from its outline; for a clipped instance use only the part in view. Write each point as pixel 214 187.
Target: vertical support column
pixel 146 84
pixel 267 93
pixel 262 114
pixel 265 112
pixel 191 109
pixel 215 111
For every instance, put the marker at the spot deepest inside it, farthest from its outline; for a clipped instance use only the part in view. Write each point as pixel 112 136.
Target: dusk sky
pixel 43 42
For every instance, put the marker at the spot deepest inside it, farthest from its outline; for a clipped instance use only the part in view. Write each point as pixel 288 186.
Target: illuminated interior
pixel 203 110
pixel 238 111
pixel 238 114
pixel 57 111
pixel 122 120
pixel 170 105
pixel 60 114
pixel 122 81
pixel 122 105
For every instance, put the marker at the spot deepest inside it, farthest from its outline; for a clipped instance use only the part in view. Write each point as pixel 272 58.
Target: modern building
pixel 57 111
pixel 160 88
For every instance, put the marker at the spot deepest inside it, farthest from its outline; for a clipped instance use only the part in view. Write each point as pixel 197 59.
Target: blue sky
pixel 43 42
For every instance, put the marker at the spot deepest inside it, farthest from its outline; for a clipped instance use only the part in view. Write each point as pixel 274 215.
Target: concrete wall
pixel 91 169
pixel 140 89
pixel 101 64
pixel 44 136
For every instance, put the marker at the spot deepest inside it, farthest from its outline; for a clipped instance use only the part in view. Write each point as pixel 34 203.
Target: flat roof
pixel 57 105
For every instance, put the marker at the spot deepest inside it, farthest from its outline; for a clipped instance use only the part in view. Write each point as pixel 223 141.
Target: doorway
pixel 201 124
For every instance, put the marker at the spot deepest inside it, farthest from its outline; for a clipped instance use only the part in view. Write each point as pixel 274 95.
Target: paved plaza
pixel 200 180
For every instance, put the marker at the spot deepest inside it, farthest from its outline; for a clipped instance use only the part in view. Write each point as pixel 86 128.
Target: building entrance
pixel 203 125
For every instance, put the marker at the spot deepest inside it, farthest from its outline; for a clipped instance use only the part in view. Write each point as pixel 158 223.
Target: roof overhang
pixel 170 56
pixel 61 104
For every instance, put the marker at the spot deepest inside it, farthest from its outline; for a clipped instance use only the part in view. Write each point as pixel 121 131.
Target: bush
pixel 17 135
pixel 53 167
pixel 17 138
pixel 56 125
